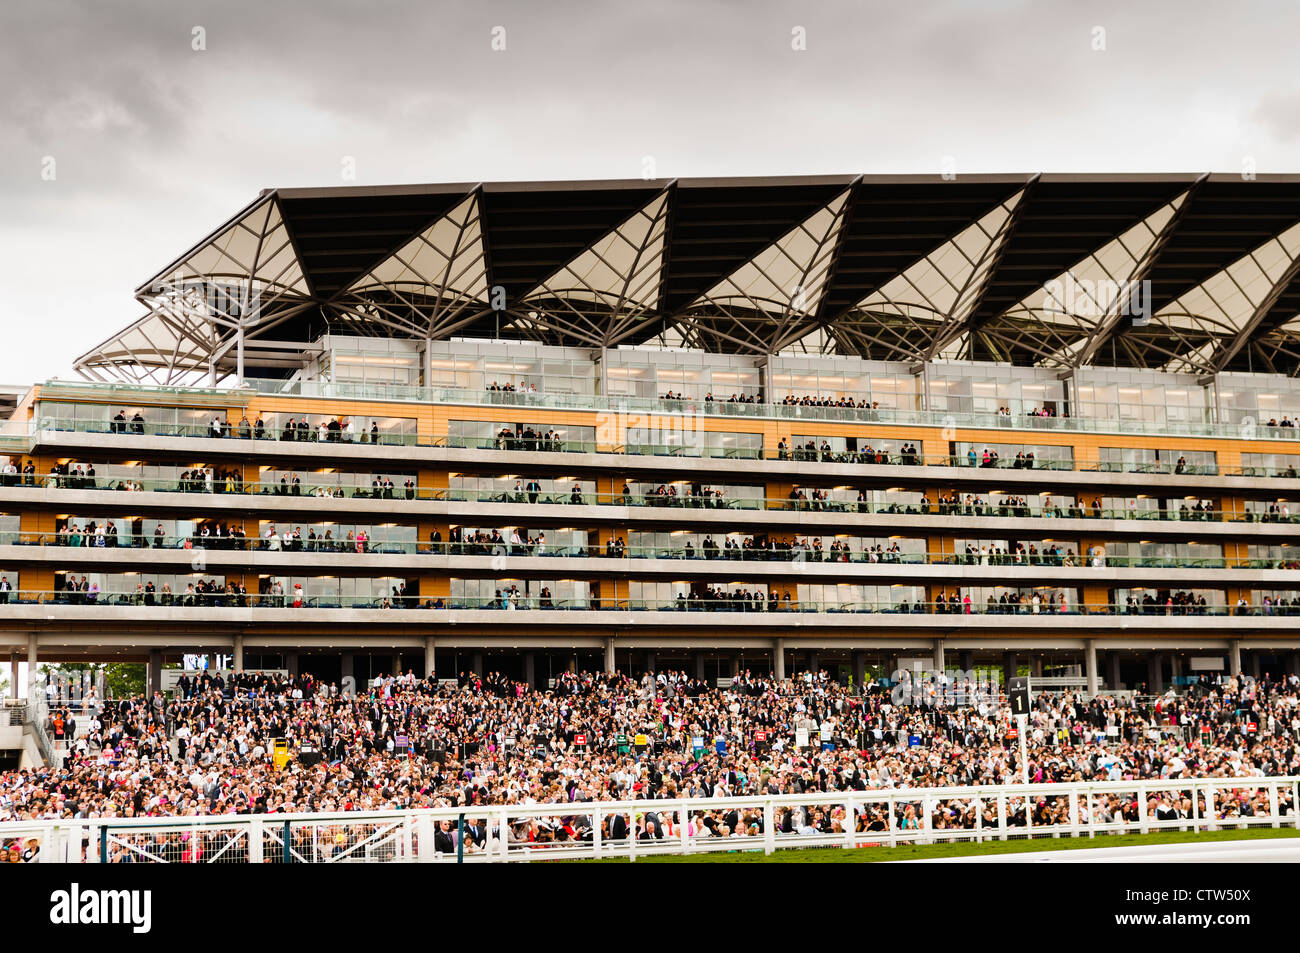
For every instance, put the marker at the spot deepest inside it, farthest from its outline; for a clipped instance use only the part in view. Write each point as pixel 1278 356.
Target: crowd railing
pixel 628 830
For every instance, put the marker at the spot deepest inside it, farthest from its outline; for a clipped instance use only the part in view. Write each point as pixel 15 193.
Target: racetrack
pixel 1221 852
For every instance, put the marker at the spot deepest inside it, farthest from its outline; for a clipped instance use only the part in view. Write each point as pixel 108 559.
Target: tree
pixel 123 679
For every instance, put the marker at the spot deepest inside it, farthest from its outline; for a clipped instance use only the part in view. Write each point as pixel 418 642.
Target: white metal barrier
pixel 632 829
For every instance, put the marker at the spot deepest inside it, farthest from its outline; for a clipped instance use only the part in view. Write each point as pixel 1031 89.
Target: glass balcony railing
pixel 520 495
pixel 110 600
pixel 538 444
pixel 1123 420
pixel 294 542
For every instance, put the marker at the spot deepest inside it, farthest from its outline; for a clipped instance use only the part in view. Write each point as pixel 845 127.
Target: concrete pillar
pixel 735 665
pixel 859 669
pixel 1156 673
pixel 778 660
pixel 155 671
pixel 1293 665
pixel 1090 666
pixel 650 661
pixel 32 662
pixel 1234 657
pixel 395 667
pixel 699 665
pixel 1254 664
pixel 814 663
pixel 1010 668
pixel 967 661
pixel 1036 666
pixel 237 657
pixel 476 664
pixel 348 665
pixel 530 669
pixel 573 664
pixel 609 657
pixel 13 675
pixel 1177 664
pixel 1114 683
pixel 430 657
pixel 291 664
pixel 940 663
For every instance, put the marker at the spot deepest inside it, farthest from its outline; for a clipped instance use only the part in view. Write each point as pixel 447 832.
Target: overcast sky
pixel 155 143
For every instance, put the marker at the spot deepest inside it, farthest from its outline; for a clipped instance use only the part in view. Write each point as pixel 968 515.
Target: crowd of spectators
pixel 408 743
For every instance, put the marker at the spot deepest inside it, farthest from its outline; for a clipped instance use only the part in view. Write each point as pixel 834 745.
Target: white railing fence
pixel 632 829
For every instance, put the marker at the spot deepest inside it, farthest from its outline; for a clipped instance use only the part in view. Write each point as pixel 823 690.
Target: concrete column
pixel 609 657
pixel 1010 666
pixel 699 665
pixel 1090 666
pixel 530 669
pixel 1177 664
pixel 430 657
pixel 1036 666
pixel 13 675
pixel 814 663
pixel 778 660
pixel 237 657
pixel 650 661
pixel 395 667
pixel 735 665
pixel 1156 673
pixel 1234 657
pixel 573 663
pixel 32 659
pixel 859 669
pixel 940 663
pixel 155 671
pixel 967 661
pixel 1293 665
pixel 348 665
pixel 291 664
pixel 1114 682
pixel 1254 664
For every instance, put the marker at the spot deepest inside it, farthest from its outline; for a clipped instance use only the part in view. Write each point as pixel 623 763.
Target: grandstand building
pixel 856 422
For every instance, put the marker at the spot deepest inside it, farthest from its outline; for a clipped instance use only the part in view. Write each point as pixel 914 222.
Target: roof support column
pixel 1234 658
pixel 778 660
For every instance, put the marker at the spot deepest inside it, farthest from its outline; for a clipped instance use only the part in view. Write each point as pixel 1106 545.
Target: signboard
pixel 760 736
pixel 697 742
pixel 1251 727
pixel 580 740
pixel 641 741
pixel 914 741
pixel 1013 732
pixel 801 737
pixel 402 742
pixel 720 745
pixel 279 752
pixel 1018 694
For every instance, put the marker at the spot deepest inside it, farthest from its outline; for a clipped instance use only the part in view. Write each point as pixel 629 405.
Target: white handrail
pixel 410 835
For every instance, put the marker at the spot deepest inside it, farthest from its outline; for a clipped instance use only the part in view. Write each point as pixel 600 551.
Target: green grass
pixel 868 855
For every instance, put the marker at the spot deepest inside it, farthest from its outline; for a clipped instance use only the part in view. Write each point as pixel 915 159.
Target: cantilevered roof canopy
pixel 884 267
